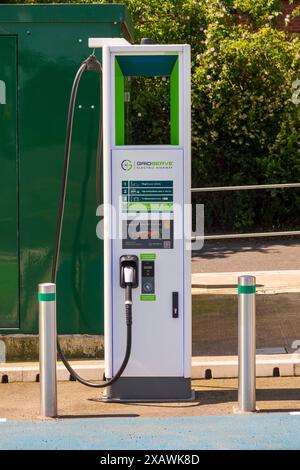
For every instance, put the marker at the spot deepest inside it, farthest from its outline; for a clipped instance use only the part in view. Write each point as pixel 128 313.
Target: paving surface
pixel 248 254
pixel 20 401
pixel 215 323
pixel 215 312
pixel 257 432
pixel 86 422
pixel 207 423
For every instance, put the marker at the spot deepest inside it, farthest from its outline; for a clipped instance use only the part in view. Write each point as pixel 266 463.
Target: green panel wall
pixel 9 259
pixel 52 43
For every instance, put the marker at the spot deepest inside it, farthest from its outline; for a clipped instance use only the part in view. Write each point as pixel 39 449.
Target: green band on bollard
pixel 46 297
pixel 246 289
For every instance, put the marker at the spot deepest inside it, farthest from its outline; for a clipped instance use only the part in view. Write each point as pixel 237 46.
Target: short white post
pixel 246 344
pixel 48 351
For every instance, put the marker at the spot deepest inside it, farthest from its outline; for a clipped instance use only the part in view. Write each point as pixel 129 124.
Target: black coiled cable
pixel 91 63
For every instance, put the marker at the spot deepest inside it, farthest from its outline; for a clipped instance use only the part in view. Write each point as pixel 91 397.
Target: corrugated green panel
pixel 47 71
pixel 9 270
pixel 67 13
pixel 50 51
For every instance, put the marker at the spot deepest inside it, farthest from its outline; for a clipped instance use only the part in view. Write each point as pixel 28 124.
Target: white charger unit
pixel 147 188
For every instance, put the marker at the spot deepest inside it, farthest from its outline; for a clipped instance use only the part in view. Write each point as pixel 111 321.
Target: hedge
pixel 245 125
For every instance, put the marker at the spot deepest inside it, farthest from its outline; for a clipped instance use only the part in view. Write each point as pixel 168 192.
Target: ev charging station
pixel 147 222
pixel 142 185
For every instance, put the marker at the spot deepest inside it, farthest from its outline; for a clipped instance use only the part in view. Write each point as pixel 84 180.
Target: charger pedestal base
pixel 150 389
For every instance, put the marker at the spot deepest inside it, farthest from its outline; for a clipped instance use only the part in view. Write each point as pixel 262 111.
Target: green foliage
pixel 296 10
pixel 259 12
pixel 148 121
pixel 169 21
pixel 245 126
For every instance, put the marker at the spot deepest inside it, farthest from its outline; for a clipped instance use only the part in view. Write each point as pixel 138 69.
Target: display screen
pixel 147 211
pixel 148 234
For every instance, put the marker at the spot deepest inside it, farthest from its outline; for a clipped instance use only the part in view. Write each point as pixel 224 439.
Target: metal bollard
pixel 246 344
pixel 48 351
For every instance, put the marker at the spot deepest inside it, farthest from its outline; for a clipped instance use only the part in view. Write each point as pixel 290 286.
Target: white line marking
pixel 295 413
pixel 3 420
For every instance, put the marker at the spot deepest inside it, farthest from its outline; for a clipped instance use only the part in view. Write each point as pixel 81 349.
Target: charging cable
pixel 91 63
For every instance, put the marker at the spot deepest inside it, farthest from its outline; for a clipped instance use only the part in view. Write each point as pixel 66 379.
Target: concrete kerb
pixel 267 282
pixel 284 365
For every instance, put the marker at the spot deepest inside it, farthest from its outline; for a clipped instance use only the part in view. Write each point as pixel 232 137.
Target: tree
pixel 245 125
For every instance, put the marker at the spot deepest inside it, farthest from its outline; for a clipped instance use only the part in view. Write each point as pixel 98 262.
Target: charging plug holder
pixel 129 261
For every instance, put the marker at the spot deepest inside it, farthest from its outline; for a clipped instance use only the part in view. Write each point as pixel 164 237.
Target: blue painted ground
pixel 264 431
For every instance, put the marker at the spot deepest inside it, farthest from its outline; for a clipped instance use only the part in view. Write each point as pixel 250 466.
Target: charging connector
pixel 130 265
pixel 128 274
pixel 129 271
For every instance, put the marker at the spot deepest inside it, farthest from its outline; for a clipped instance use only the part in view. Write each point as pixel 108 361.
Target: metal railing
pixel 246 188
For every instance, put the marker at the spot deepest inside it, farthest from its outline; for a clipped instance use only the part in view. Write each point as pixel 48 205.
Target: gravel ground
pixel 20 401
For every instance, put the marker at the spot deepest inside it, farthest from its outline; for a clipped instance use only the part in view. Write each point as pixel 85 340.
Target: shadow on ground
pixel 264 395
pixel 214 249
pixel 74 416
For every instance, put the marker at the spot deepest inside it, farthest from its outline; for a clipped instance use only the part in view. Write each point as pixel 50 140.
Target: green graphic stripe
pixel 119 105
pixel 46 297
pixel 246 289
pixel 148 297
pixel 148 206
pixel 147 256
pixel 174 92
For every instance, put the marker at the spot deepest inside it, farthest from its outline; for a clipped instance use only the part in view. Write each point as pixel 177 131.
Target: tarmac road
pixel 265 254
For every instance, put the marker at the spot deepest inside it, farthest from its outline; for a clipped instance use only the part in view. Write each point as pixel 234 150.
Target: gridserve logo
pixel 127 165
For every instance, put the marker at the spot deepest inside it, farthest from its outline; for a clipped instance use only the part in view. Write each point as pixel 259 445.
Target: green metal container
pixel 41 48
